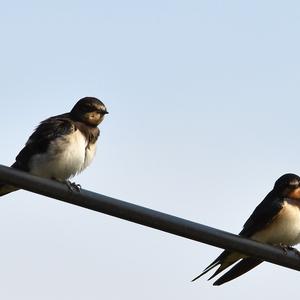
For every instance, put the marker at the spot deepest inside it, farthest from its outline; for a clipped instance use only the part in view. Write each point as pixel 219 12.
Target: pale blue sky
pixel 204 117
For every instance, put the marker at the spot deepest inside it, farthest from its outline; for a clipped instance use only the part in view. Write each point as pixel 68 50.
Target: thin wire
pixel 150 218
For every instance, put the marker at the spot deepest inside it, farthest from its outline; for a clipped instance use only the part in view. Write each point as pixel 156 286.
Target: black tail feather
pixel 217 261
pixel 6 189
pixel 207 269
pixel 239 269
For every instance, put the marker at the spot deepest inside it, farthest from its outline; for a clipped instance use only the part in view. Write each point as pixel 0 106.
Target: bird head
pixel 89 110
pixel 288 185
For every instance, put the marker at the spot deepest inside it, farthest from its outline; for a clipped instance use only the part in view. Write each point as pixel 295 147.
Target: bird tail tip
pixel 207 269
pixel 6 189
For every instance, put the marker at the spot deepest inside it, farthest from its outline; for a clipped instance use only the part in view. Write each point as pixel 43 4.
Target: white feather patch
pixel 285 227
pixel 65 157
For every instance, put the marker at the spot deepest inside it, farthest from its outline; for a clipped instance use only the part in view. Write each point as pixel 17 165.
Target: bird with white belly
pixel 62 146
pixel 275 221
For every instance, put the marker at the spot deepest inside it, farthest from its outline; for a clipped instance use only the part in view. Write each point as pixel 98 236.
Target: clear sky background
pixel 204 116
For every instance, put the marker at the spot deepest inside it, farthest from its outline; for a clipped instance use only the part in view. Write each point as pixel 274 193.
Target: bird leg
pixel 73 186
pixel 284 247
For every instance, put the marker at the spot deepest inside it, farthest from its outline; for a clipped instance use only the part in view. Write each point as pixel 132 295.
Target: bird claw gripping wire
pixel 72 186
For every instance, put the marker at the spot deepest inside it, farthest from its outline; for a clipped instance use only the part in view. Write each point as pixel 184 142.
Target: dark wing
pixel 263 214
pixel 39 141
pixel 239 269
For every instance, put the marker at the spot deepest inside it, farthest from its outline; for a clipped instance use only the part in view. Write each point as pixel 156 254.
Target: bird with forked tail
pixel 62 146
pixel 275 221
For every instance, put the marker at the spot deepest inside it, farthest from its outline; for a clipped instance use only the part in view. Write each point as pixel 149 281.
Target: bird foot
pixel 72 186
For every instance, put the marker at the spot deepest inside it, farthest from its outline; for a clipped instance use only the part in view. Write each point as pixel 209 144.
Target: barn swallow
pixel 62 146
pixel 275 221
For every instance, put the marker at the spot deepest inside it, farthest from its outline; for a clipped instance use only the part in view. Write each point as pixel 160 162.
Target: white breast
pixel 285 228
pixel 90 152
pixel 65 157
